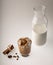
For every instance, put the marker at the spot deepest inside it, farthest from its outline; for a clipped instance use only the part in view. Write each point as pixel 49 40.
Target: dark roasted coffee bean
pixel 16 53
pixel 14 56
pixel 9 56
pixel 17 56
pixel 17 59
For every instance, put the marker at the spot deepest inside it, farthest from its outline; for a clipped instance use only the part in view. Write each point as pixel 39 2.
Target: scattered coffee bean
pixel 16 53
pixel 17 59
pixel 17 56
pixel 14 56
pixel 9 56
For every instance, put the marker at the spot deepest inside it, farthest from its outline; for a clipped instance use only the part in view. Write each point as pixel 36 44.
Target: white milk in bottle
pixel 39 27
pixel 39 34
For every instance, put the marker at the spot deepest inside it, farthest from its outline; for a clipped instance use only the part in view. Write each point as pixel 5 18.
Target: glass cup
pixel 24 45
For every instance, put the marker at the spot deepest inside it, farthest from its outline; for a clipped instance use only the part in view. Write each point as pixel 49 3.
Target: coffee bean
pixel 16 53
pixel 17 59
pixel 14 56
pixel 17 56
pixel 9 56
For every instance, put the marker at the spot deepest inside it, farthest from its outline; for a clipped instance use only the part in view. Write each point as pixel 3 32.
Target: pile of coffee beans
pixel 14 56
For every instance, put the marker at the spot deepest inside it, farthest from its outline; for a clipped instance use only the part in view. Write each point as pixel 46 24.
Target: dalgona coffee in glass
pixel 24 45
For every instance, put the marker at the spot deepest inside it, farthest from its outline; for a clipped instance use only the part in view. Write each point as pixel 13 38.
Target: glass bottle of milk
pixel 39 26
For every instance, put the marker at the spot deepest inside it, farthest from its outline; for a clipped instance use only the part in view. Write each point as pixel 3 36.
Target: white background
pixel 15 22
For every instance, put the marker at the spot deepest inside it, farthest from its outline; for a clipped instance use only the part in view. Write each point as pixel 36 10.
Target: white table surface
pixel 15 23
pixel 40 55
